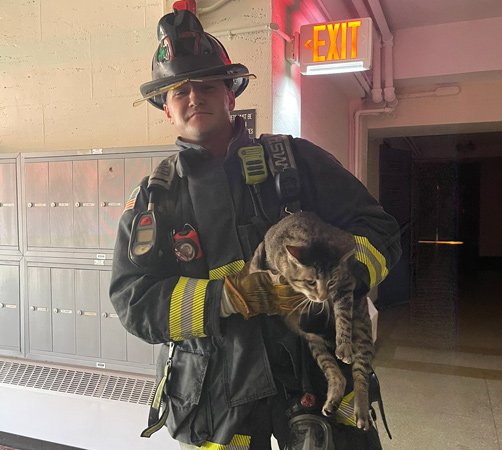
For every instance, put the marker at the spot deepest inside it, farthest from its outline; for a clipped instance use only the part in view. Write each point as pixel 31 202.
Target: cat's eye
pixel 311 282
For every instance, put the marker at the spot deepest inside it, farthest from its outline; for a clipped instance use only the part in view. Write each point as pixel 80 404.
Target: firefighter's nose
pixel 195 97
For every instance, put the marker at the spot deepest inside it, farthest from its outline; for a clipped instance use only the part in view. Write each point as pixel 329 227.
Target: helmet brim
pixel 237 72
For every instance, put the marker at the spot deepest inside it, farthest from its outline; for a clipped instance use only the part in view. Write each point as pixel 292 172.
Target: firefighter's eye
pixel 178 93
pixel 207 87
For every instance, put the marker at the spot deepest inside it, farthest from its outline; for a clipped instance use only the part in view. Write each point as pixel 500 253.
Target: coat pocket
pixel 187 376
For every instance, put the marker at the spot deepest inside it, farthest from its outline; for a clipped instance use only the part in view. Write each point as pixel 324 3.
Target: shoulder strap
pixel 281 161
pixel 164 175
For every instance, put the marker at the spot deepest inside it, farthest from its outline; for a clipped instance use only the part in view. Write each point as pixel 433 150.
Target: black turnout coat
pixel 221 365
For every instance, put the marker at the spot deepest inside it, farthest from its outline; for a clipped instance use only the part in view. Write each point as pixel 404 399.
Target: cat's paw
pixel 363 420
pixel 330 407
pixel 344 352
pixel 361 412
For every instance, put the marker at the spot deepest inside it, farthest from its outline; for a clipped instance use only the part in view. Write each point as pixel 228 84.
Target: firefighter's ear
pixel 231 100
pixel 168 113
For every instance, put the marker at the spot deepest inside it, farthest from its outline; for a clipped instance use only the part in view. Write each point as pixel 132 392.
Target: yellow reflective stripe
pixel 186 317
pixel 198 308
pixel 155 408
pixel 160 387
pixel 175 309
pixel 238 442
pixel 156 426
pixel 227 269
pixel 345 412
pixel 372 259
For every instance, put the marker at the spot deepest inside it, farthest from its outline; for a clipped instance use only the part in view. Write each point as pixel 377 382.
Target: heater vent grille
pixel 80 382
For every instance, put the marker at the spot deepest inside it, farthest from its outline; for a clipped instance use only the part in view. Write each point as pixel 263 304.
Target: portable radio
pixel 254 165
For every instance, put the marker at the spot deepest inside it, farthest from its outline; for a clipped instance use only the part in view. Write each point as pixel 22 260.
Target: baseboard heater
pixel 85 382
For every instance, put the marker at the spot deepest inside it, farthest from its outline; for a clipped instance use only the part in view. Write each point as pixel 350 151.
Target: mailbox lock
pixel 30 205
pixel 1 204
pixel 2 305
pixel 105 315
pixel 53 204
pixel 77 204
pixel 33 308
pixel 103 204
pixel 79 312
pixel 56 310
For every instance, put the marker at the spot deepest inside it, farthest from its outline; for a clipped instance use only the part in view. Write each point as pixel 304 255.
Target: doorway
pixel 448 206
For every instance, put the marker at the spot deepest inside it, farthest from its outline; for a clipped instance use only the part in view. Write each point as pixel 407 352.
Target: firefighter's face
pixel 200 111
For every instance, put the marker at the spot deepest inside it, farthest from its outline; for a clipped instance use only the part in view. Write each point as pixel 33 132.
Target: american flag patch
pixel 132 199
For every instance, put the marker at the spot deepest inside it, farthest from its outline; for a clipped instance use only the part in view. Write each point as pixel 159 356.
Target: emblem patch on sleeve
pixel 131 202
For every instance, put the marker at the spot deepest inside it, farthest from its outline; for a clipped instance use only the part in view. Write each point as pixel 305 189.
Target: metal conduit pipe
pixel 388 44
pixel 376 91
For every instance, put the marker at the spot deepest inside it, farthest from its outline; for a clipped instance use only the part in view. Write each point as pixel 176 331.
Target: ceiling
pixel 417 13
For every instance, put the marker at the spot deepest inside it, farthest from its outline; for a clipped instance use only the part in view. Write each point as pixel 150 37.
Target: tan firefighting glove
pixel 253 294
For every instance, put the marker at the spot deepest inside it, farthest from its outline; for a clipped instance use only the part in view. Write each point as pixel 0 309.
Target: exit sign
pixel 336 47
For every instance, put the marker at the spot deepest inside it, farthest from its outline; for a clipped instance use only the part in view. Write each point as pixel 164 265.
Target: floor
pixel 436 398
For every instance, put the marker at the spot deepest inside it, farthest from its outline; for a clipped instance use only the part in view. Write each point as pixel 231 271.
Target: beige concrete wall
pixel 69 71
pixel 253 49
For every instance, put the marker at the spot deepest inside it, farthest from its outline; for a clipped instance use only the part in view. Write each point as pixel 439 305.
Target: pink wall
pixel 446 49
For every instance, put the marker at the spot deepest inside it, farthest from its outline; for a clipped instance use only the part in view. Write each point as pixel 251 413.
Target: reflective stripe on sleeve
pixel 372 259
pixel 186 318
pixel 238 442
pixel 227 269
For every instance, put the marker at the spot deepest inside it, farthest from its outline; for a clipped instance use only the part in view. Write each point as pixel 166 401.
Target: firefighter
pixel 229 368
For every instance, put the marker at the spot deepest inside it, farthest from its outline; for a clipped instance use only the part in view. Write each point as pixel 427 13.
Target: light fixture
pixel 353 66
pixel 336 47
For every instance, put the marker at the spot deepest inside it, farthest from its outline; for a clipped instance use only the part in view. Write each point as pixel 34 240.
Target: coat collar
pixel 194 154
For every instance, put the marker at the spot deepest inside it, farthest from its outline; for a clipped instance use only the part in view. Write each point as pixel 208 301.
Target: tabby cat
pixel 317 260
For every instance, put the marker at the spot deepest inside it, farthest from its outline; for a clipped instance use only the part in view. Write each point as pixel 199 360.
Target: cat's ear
pixel 296 252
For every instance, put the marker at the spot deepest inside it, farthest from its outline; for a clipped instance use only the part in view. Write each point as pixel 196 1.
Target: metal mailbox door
pixel 113 334
pixel 37 209
pixel 87 312
pixel 85 204
pixel 39 301
pixel 8 202
pixel 61 203
pixel 135 170
pixel 111 199
pixel 9 307
pixel 139 351
pixel 63 310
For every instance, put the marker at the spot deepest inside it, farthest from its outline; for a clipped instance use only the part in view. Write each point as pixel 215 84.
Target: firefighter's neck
pixel 216 143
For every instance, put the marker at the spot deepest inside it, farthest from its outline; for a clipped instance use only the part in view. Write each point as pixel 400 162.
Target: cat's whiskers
pixel 300 306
